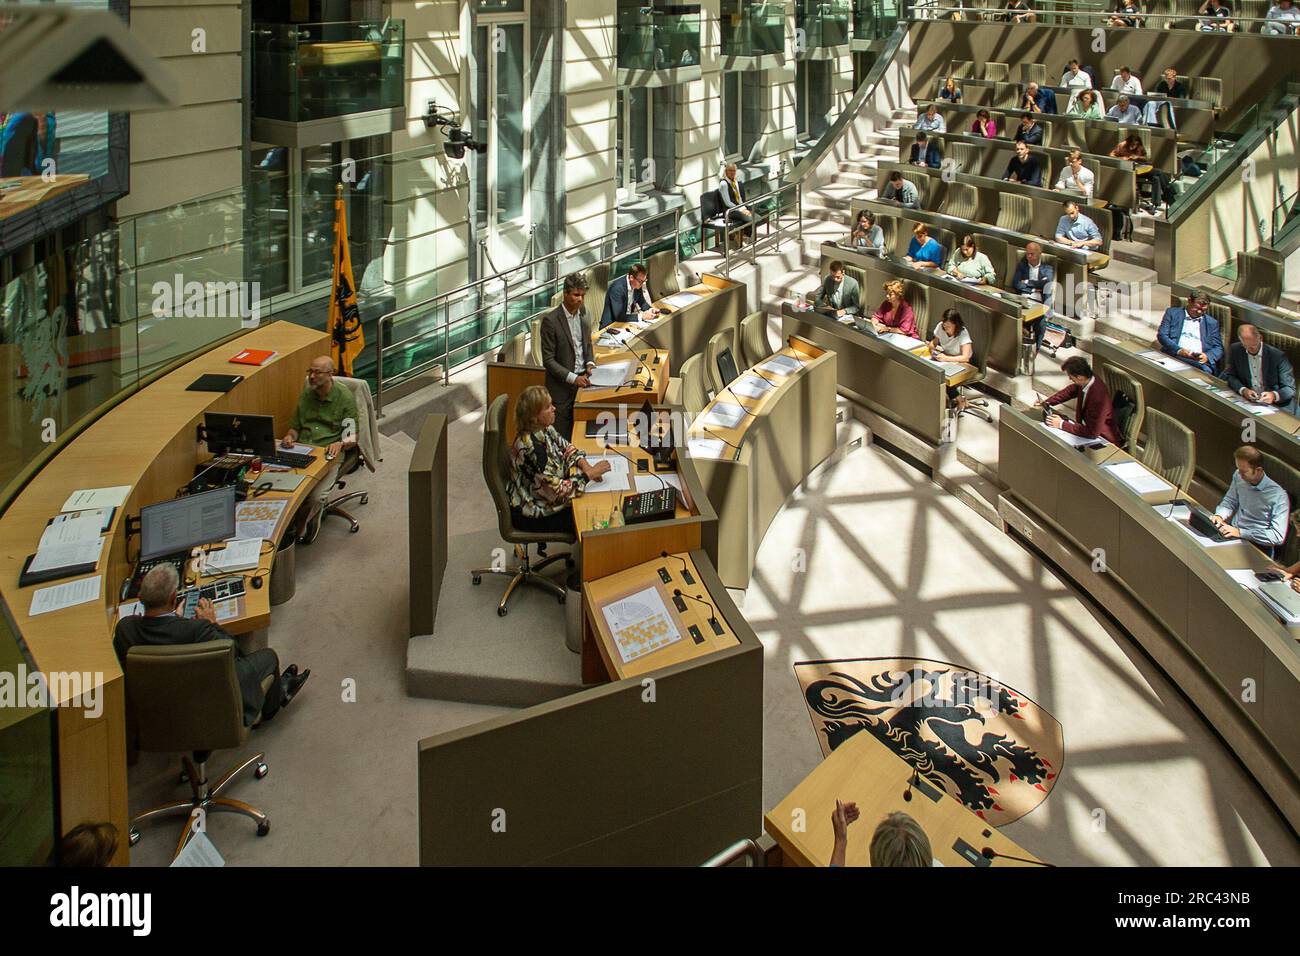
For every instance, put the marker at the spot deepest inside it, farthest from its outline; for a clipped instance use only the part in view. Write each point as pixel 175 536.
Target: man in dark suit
pixel 627 298
pixel 839 293
pixel 1035 279
pixel 1192 334
pixel 1259 372
pixel 925 153
pixel 1095 411
pixel 566 351
pixel 161 624
pixel 1030 131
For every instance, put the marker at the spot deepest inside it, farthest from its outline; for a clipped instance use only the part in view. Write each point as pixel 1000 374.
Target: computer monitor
pixel 240 434
pixel 177 525
pixel 727 367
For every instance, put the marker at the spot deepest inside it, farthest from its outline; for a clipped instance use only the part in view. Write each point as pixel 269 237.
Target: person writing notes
pixel 1094 409
pixel 1259 372
pixel 1192 334
pixel 628 298
pixel 923 251
pixel 901 191
pixel 895 314
pixel 1077 230
pixel 967 262
pixel 1256 508
pixel 546 471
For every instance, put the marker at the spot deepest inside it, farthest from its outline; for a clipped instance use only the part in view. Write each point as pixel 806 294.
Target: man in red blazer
pixel 1096 414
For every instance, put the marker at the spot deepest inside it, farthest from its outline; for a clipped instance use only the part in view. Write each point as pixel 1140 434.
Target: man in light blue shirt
pixel 1077 230
pixel 1124 111
pixel 931 121
pixel 1256 508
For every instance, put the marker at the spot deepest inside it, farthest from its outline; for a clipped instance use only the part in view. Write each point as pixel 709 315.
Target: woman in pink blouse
pixel 894 314
pixel 984 125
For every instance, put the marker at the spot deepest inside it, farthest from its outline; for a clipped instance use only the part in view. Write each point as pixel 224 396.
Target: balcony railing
pixel 311 71
pixel 825 23
pixel 752 29
pixel 650 39
pixel 874 19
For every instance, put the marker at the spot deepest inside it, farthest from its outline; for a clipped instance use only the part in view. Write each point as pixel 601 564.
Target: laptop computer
pixel 1202 522
pixel 1282 599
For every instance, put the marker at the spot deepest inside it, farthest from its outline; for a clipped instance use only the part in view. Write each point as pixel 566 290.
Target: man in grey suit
pixel 839 294
pixel 1259 372
pixel 566 351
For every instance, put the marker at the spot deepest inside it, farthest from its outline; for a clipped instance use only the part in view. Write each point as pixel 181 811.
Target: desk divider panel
pixel 426 495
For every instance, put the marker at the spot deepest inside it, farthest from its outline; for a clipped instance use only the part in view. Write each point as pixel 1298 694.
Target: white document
pixel 609 340
pixel 751 386
pixel 259 517
pixel 617 463
pixel 96 498
pixel 952 369
pixel 607 376
pixel 1245 577
pixel 899 340
pixel 781 365
pixel 227 609
pixel 616 479
pixel 646 483
pixel 199 852
pixel 640 624
pixel 239 554
pixel 67 555
pixel 1076 441
pixel 130 609
pixel 724 416
pixel 1165 361
pixel 68 594
pixel 73 527
pixel 1137 477
pixel 708 448
pixel 1280 599
pixel 681 300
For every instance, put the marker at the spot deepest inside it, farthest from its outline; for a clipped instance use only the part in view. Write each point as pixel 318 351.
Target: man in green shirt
pixel 327 416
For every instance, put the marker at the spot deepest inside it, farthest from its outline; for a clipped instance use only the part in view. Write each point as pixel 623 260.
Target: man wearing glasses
pixel 326 415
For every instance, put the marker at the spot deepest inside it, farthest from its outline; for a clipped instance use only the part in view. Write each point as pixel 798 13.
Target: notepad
pixel 724 416
pixel 751 386
pixel 707 448
pixel 781 365
pixel 1165 361
pixel 70 594
pixel 681 300
pixel 96 498
pixel 1138 478
pixel 75 554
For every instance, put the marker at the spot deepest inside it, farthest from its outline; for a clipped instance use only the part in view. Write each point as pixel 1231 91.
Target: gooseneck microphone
pixel 720 438
pixel 728 388
pixel 713 615
pixel 911 782
pixel 686 571
pixel 991 854
pixel 662 483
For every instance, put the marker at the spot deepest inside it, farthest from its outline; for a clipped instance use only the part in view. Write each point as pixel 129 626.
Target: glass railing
pixel 874 19
pixel 825 23
pixel 651 39
pixel 309 71
pixel 27 790
pixel 752 29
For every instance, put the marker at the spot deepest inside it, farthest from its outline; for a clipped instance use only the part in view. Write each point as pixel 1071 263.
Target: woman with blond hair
pixel 894 314
pixel 546 471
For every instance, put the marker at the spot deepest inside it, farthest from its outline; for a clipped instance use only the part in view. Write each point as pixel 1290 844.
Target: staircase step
pixel 794 283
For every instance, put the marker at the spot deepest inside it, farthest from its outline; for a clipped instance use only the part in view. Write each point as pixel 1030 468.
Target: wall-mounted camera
pixel 458 139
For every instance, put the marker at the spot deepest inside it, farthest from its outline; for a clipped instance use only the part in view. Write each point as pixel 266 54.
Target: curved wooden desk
pixel 148 442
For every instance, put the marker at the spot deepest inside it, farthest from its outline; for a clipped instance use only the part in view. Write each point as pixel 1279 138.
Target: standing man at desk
pixel 1192 334
pixel 839 294
pixel 733 199
pixel 1256 508
pixel 628 298
pixel 1259 372
pixel 160 624
pixel 326 415
pixel 1077 230
pixel 566 351
pixel 1094 408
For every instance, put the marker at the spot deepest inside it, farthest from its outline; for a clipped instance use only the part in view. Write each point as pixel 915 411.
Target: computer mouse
pixel 256 582
pixel 329 457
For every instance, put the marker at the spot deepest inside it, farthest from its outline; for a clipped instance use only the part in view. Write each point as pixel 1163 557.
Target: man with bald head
pixel 1259 372
pixel 161 623
pixel 326 416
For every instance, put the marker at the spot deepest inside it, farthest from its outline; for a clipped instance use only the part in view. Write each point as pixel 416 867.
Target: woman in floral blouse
pixel 546 471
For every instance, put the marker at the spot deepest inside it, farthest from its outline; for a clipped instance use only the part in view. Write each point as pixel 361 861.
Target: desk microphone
pixel 991 854
pixel 662 483
pixel 686 571
pixel 911 782
pixel 724 441
pixel 728 388
pixel 713 615
pixel 641 359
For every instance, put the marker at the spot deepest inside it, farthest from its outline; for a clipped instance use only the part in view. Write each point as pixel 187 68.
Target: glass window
pixel 510 123
pixel 731 114
pixel 635 141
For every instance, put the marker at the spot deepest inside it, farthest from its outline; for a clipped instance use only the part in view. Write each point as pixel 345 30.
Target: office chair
pixel 1289 479
pixel 1033 73
pixel 1015 212
pixel 496 474
pixel 754 345
pixel 1259 279
pixel 694 390
pixel 185 698
pixel 1170 449
pixel 1119 382
pixel 980 359
pixel 661 269
pixel 364 451
pixel 515 351
pixel 726 339
pixel 535 341
pixel 998 72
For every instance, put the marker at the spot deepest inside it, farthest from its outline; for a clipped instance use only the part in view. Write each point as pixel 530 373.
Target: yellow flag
pixel 346 336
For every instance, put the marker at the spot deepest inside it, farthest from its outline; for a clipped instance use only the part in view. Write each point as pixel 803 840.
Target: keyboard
pixel 1203 522
pixel 223 588
pixel 650 505
pixel 288 459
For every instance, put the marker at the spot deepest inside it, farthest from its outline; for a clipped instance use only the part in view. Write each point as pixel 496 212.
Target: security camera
pixel 458 140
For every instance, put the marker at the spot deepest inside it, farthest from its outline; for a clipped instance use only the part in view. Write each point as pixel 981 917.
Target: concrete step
pixel 834 196
pixel 794 282
pixel 1135 253
pixel 857 178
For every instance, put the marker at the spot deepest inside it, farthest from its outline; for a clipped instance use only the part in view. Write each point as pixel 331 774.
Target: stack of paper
pixel 71 555
pixel 89 498
pixel 724 416
pixel 899 340
pixel 59 596
pixel 1165 361
pixel 75 526
pixel 707 448
pixel 781 365
pixel 616 479
pixel 1076 441
pixel 751 386
pixel 239 554
pixel 607 376
pixel 1137 477
pixel 681 300
pixel 259 517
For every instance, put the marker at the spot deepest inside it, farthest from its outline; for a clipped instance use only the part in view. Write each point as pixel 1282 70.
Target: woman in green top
pixel 546 471
pixel 1088 105
pixel 967 262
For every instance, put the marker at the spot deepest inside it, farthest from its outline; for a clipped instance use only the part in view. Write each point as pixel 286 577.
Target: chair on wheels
pixel 1119 382
pixel 1170 448
pixel 980 359
pixel 364 451
pixel 496 474
pixel 185 698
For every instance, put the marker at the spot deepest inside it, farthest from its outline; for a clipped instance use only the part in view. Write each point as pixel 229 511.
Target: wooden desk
pixel 147 441
pixel 1170 592
pixel 864 771
pixel 20 193
pixel 599 640
pixel 685 331
pixel 788 432
pixel 651 377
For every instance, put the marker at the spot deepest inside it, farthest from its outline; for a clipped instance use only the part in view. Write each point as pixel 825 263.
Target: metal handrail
pixel 1275 228
pixel 747 848
pixel 477 287
pixel 728 225
pixel 1091 13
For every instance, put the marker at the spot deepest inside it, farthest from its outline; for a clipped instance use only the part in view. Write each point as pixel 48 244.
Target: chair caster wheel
pixel 355 530
pixel 560 598
pixel 501 612
pixel 475 579
pixel 133 836
pixel 365 499
pixel 264 828
pixel 261 770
